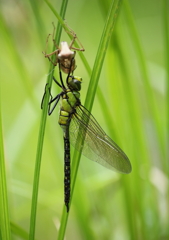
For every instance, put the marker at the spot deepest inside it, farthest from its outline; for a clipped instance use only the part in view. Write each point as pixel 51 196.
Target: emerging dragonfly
pixel 82 130
pixel 64 56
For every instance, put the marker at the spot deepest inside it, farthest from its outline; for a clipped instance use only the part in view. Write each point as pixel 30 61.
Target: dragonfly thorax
pixel 69 102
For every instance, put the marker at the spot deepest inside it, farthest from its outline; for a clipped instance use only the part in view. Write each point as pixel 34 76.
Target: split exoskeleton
pixel 65 57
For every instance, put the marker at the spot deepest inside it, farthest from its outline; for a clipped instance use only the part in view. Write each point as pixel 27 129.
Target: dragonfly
pixel 81 129
pixel 65 57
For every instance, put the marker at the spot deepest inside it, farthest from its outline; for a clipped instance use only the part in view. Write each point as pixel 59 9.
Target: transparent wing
pixel 97 146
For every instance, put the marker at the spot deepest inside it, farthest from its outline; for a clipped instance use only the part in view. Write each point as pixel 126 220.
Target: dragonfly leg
pixel 73 34
pixel 61 79
pixel 69 71
pixel 53 36
pixel 46 88
pixel 54 52
pixel 56 100
pixel 47 39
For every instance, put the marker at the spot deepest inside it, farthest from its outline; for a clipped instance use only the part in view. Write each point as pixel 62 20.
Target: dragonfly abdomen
pixel 63 119
pixel 67 169
pixel 68 103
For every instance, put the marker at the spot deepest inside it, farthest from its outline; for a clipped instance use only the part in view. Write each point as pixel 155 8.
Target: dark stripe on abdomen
pixel 67 172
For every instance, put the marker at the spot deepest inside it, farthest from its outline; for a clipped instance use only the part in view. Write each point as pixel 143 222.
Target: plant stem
pixel 41 135
pixel 106 35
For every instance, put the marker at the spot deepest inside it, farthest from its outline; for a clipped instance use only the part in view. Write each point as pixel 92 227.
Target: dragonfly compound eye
pixel 75 83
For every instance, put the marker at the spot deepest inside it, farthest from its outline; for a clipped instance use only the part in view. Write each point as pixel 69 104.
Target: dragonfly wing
pixel 87 135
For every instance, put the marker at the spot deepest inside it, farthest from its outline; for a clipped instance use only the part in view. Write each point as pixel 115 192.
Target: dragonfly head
pixel 74 83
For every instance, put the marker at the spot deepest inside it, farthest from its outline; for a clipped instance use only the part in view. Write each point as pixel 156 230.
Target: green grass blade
pixel 39 20
pixel 4 211
pixel 19 232
pixel 41 136
pixel 130 97
pixel 146 81
pixel 166 43
pixel 106 35
pixel 166 39
pixel 110 22
pixel 60 19
pixel 16 59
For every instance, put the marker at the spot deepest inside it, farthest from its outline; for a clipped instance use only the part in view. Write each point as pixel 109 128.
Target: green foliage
pixel 131 105
pixel 4 210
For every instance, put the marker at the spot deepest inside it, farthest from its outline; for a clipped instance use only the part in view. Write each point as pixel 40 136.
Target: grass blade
pixel 110 22
pixel 4 216
pixel 41 136
pixel 148 90
pixel 166 38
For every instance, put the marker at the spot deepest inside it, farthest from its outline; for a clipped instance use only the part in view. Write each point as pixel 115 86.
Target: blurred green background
pixel 105 205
